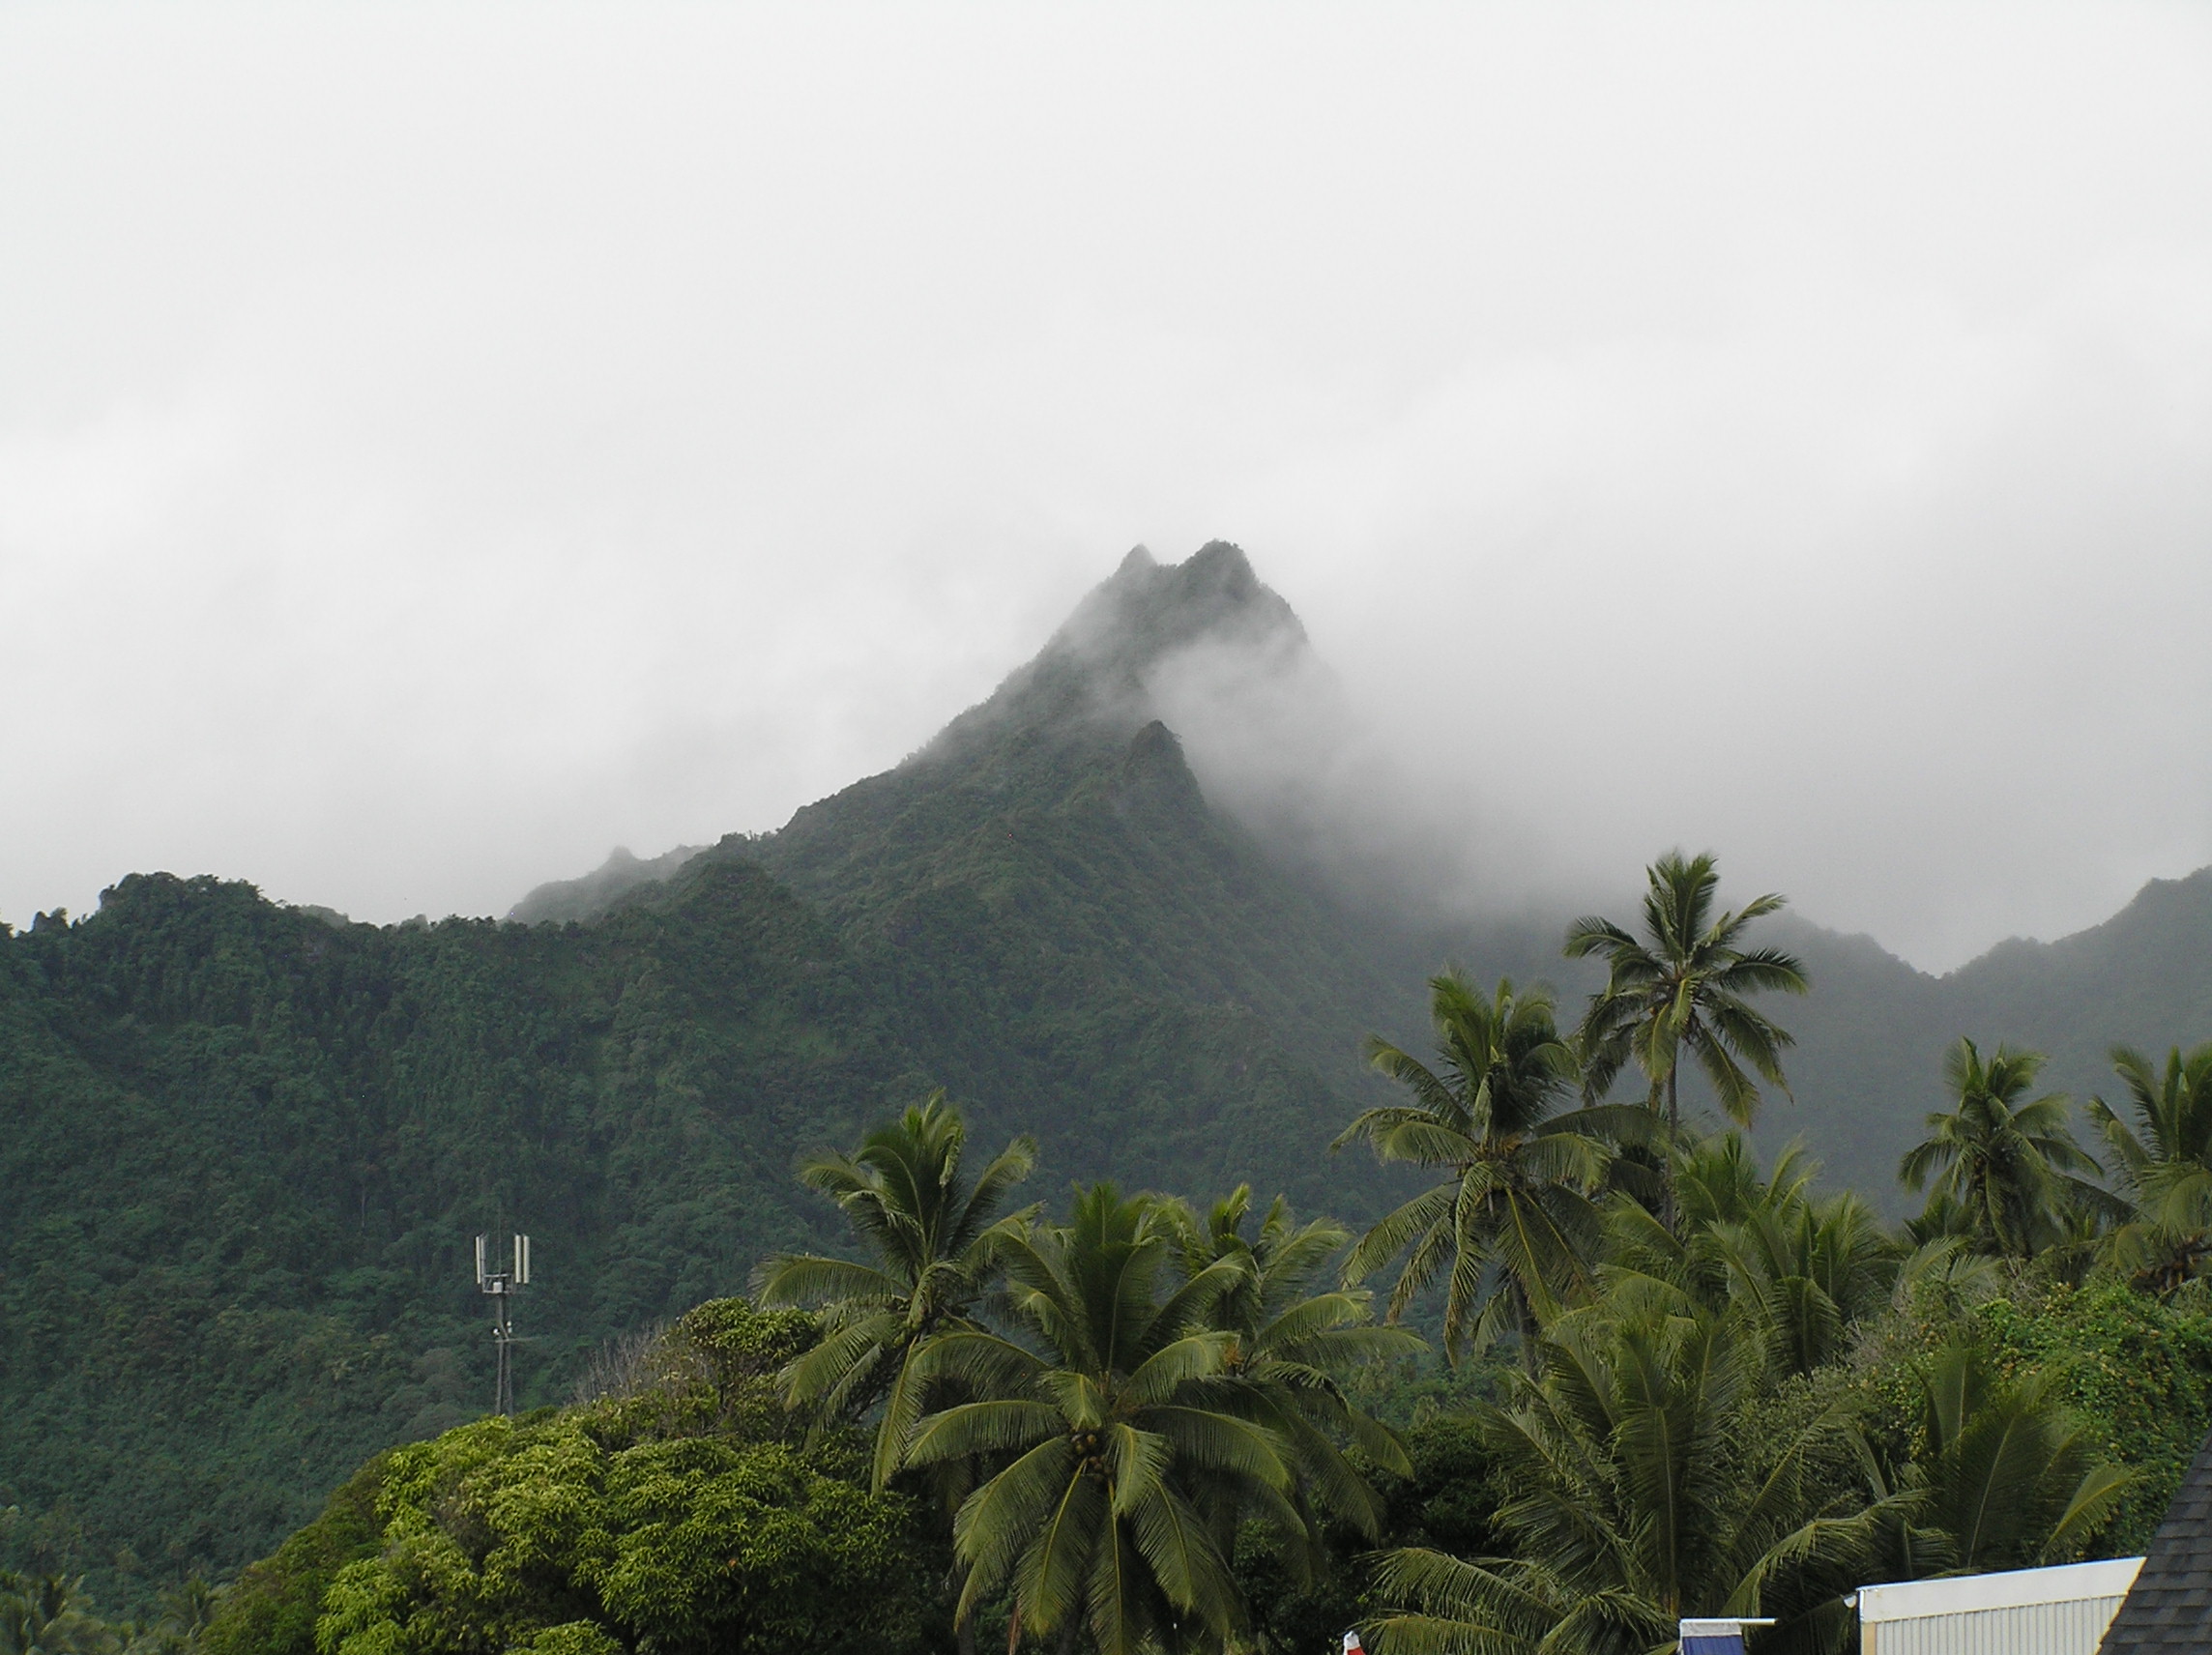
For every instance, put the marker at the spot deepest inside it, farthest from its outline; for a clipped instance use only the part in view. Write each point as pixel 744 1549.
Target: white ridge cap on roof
pixel 1961 1594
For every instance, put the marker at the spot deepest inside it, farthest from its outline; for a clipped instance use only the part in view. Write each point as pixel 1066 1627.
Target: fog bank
pixel 437 445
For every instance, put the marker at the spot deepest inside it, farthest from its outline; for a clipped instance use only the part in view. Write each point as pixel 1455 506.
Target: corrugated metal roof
pixel 2169 1607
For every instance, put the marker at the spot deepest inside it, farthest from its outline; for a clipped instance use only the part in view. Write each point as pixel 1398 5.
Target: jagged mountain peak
pixel 1099 668
pixel 1146 611
pixel 1097 676
pixel 594 892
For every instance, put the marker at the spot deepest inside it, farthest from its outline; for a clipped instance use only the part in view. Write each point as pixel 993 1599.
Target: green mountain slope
pixel 244 1154
pixel 1867 1066
pixel 2143 976
pixel 1083 946
pixel 1871 1038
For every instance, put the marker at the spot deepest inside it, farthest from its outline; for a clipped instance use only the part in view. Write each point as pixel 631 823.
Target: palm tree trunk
pixel 964 1634
pixel 1674 1130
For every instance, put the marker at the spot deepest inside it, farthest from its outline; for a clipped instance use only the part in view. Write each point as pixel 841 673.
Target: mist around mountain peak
pixel 1096 671
pixel 594 892
pixel 1220 659
pixel 1276 741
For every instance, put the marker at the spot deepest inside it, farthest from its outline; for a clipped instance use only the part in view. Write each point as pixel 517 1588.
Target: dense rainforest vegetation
pixel 245 1149
pixel 1671 1382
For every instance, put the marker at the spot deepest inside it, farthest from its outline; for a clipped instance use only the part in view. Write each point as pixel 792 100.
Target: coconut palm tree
pixel 1811 1271
pixel 1683 990
pixel 1512 1219
pixel 1800 1269
pixel 934 1235
pixel 1119 1433
pixel 2166 1169
pixel 1644 1483
pixel 2003 1168
pixel 188 1609
pixel 49 1614
pixel 1293 1351
pixel 2007 1477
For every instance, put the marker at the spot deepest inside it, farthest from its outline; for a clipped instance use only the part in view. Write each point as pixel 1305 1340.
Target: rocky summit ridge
pixel 1099 668
pixel 1093 680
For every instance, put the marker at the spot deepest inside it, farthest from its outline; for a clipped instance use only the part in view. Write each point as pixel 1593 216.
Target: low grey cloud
pixel 439 444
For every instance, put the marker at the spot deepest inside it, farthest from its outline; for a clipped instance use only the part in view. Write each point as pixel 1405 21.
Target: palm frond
pixel 2100 1489
pixel 803 1278
pixel 1052 1584
pixel 982 1428
pixel 1399 1230
pixel 998 1522
pixel 1184 1560
pixel 1166 1370
pixel 1221 1442
pixel 980 1362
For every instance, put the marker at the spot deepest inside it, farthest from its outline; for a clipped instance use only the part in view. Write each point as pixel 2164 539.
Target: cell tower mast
pixel 501 1286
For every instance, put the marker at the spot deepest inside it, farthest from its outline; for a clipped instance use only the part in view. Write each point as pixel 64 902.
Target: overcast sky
pixel 438 444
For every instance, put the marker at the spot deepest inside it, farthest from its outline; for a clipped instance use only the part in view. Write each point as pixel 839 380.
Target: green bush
pixel 2139 1372
pixel 682 1512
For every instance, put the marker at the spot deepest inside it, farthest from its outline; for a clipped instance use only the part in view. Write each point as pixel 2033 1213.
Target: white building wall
pixel 2071 1628
pixel 2059 1610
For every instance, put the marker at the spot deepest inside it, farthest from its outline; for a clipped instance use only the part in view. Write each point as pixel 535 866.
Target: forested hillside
pixel 1870 1037
pixel 246 1152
